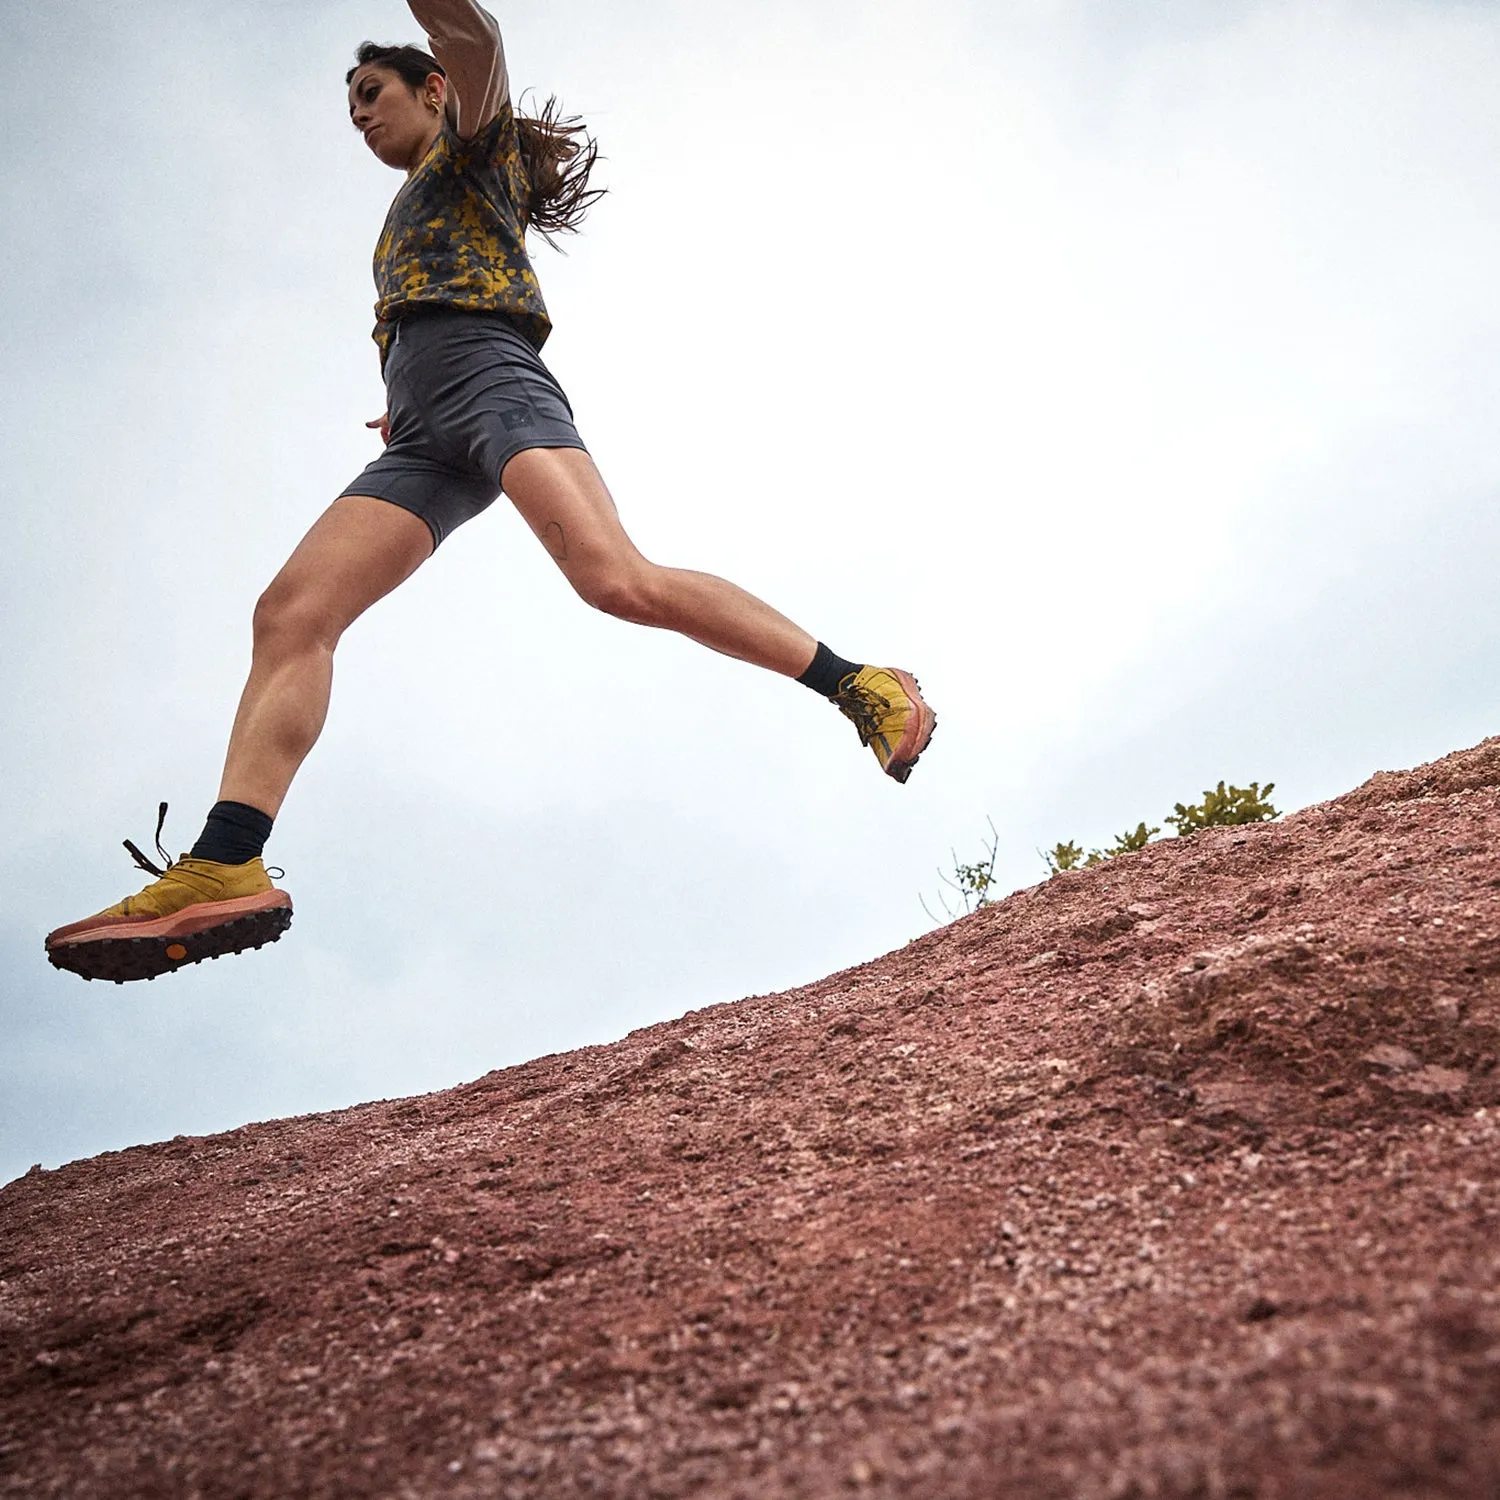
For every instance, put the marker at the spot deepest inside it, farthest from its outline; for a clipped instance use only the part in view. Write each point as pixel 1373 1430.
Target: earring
pixel 432 102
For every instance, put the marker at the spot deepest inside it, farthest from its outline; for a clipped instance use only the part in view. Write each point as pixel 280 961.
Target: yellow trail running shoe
pixel 195 909
pixel 893 719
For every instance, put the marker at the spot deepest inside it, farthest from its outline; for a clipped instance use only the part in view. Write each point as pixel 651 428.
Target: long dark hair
pixel 557 151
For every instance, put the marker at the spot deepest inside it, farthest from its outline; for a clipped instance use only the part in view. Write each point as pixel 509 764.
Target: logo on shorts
pixel 516 416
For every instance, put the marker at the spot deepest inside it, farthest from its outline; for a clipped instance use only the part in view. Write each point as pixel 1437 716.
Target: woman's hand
pixel 383 422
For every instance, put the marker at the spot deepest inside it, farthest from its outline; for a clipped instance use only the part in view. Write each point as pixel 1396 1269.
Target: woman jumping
pixel 471 412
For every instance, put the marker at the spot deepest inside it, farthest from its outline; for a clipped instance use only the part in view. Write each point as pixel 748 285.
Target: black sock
pixel 233 834
pixel 827 672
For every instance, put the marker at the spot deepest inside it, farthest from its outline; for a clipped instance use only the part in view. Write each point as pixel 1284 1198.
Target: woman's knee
pixel 628 593
pixel 287 620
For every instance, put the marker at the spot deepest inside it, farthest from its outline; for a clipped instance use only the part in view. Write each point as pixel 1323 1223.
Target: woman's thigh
pixel 562 497
pixel 356 552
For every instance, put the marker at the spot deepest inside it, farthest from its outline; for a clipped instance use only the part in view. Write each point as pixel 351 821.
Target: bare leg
pixel 564 501
pixel 355 553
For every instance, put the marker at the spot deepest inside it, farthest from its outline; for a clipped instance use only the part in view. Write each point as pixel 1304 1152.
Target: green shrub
pixel 1125 843
pixel 1070 856
pixel 1225 809
pixel 1221 807
pixel 1064 857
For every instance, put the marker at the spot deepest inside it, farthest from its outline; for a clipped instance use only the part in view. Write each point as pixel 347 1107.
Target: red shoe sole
pixel 918 731
pixel 127 950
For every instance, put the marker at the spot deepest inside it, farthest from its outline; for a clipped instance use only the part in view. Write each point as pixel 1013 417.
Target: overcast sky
pixel 1126 370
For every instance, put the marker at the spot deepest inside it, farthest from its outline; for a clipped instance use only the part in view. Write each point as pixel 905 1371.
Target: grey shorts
pixel 465 393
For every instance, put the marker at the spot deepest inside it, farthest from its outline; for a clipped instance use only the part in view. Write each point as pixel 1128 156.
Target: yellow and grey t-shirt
pixel 455 234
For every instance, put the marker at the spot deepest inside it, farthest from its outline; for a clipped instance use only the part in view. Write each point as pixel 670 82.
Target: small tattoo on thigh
pixel 556 541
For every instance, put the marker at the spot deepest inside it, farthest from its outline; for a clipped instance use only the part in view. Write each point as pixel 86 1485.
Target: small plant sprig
pixel 972 882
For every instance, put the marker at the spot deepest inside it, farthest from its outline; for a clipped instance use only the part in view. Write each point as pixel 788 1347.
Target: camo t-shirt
pixel 455 234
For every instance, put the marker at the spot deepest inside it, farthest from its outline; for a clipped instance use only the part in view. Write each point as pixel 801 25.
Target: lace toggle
pixel 149 866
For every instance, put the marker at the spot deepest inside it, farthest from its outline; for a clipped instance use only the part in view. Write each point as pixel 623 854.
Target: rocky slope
pixel 1172 1178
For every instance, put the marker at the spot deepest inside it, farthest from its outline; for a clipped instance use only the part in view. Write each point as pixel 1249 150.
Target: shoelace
pixel 147 865
pixel 863 707
pixel 274 871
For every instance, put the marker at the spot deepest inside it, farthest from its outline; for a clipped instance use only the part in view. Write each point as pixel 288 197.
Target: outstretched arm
pixel 466 41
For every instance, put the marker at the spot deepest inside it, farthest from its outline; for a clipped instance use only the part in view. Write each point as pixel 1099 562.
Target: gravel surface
pixel 1172 1178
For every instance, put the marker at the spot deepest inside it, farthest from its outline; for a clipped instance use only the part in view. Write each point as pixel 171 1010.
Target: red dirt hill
pixel 1171 1178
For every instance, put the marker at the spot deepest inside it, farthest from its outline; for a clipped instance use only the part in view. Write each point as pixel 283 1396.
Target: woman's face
pixel 397 121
